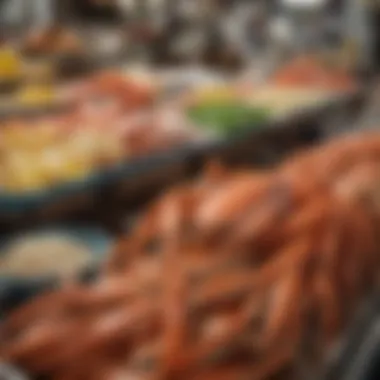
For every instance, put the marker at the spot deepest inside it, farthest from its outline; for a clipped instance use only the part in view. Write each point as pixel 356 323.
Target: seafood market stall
pixel 185 193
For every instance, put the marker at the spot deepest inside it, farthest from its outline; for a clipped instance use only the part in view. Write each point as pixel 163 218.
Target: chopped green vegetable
pixel 228 118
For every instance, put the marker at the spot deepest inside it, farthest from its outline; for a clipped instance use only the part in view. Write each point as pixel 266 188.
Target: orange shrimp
pixel 220 278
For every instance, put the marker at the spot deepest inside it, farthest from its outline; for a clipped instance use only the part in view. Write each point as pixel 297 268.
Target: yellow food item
pixel 218 93
pixel 35 94
pixel 10 64
pixel 29 138
pixel 36 157
pixel 57 166
pixel 22 171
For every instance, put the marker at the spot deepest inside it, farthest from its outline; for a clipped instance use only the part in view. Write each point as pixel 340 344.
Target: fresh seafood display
pixel 132 93
pixel 114 119
pixel 70 148
pixel 308 71
pixel 240 275
pixel 302 84
pixel 118 115
pixel 34 157
pixel 40 91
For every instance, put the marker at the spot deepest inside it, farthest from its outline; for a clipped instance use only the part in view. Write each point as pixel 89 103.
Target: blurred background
pixel 105 105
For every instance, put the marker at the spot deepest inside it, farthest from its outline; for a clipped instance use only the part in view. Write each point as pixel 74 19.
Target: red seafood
pixel 309 72
pixel 225 278
pixel 131 93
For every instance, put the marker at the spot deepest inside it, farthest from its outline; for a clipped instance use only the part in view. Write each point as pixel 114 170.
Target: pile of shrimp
pixel 227 278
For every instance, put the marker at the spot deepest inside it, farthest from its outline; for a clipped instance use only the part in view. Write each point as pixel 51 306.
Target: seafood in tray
pixel 125 127
pixel 130 92
pixel 299 86
pixel 313 72
pixel 240 275
pixel 116 123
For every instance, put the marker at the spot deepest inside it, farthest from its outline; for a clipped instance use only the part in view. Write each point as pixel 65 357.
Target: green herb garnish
pixel 228 118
